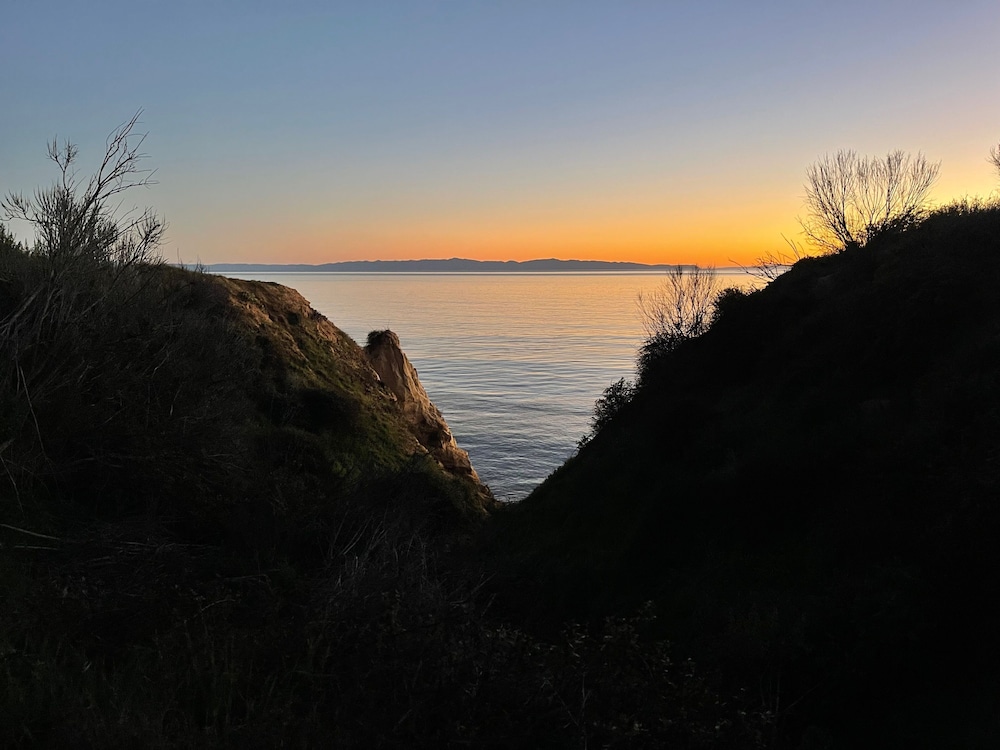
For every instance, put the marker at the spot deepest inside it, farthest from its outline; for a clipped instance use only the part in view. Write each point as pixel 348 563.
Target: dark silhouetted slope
pixel 809 493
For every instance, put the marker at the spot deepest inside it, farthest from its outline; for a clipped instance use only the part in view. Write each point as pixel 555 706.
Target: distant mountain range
pixel 452 265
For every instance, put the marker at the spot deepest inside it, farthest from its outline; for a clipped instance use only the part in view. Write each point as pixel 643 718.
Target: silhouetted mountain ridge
pixel 452 265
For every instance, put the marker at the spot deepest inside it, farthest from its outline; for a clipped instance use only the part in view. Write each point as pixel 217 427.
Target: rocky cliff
pixel 202 471
pixel 295 334
pixel 399 377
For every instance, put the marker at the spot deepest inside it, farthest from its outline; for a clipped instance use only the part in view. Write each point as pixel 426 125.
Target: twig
pixel 30 533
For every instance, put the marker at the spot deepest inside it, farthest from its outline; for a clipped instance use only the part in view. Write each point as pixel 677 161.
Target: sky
pixel 658 132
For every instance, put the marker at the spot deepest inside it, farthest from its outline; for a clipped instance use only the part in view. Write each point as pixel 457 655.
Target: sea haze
pixel 513 361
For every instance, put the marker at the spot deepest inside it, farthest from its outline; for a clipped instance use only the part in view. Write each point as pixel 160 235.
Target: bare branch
pixel 72 223
pixel 771 265
pixel 850 200
pixel 681 306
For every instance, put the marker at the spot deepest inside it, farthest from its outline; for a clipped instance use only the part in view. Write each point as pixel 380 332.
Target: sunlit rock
pixel 400 378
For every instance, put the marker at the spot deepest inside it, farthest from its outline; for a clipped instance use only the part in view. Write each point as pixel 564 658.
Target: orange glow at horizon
pixel 722 248
pixel 726 229
pixel 705 236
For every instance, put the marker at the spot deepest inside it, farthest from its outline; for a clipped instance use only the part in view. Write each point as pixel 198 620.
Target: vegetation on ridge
pixel 852 200
pixel 807 491
pixel 216 529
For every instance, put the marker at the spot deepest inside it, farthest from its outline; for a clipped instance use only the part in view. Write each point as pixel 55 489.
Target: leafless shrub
pixel 76 222
pixel 770 266
pixel 850 199
pixel 681 307
pixel 90 361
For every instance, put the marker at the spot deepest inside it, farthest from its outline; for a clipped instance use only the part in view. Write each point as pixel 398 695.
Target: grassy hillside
pixel 808 493
pixel 197 472
pixel 217 529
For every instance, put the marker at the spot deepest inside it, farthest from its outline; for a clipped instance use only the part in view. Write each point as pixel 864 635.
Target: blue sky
pixel 657 131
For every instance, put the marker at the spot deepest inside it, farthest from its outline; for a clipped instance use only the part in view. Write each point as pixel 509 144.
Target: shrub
pixel 110 387
pixel 612 401
pixel 850 200
pixel 8 244
pixel 727 301
pixel 75 224
pixel 681 307
pixel 771 265
pixel 678 310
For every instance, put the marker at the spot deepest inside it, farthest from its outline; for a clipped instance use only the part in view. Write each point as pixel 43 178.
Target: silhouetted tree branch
pixel 73 222
pixel 850 200
pixel 77 296
pixel 679 309
pixel 771 265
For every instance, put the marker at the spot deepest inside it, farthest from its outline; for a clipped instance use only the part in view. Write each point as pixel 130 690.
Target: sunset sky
pixel 662 132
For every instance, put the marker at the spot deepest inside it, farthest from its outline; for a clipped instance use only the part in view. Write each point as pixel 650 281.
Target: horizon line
pixel 457 259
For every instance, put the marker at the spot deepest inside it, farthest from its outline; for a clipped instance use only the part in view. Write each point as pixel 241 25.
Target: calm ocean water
pixel 513 361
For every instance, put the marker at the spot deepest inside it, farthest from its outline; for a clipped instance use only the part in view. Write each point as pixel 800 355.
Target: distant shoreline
pixel 452 265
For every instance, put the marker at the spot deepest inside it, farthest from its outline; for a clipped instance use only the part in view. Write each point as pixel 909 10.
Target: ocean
pixel 514 361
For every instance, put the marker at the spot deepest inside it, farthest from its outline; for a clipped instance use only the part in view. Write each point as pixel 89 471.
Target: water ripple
pixel 513 361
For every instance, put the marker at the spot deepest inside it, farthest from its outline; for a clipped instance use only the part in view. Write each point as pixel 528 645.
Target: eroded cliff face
pixel 325 358
pixel 399 376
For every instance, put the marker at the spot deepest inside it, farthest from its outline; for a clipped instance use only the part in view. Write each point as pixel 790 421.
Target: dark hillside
pixel 224 524
pixel 220 528
pixel 188 399
pixel 208 502
pixel 809 494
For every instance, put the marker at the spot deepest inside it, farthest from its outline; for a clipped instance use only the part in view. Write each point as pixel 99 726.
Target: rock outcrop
pixel 399 376
pixel 324 359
